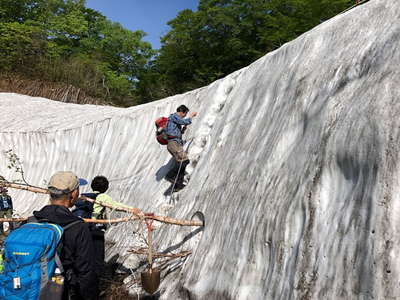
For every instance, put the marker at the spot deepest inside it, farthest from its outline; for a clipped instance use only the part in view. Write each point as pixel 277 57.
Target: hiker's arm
pixel 84 264
pixel 178 120
pixel 106 199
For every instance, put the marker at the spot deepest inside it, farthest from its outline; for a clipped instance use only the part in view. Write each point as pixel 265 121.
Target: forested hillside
pixel 65 46
pixel 63 41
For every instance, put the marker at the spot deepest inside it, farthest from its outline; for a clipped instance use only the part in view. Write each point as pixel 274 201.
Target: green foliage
pixel 225 35
pixel 20 45
pixel 69 26
pixel 25 10
pixel 63 41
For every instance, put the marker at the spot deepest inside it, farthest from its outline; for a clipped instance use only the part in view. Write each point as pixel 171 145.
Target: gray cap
pixel 64 181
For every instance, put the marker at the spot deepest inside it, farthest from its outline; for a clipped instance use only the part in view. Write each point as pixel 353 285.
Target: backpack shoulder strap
pixel 72 224
pixel 56 256
pixel 32 219
pixel 58 261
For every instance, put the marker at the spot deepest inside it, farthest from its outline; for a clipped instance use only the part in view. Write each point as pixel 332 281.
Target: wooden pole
pixel 150 241
pixel 111 221
pixel 135 211
pixel 145 251
pixel 24 187
pixel 14 220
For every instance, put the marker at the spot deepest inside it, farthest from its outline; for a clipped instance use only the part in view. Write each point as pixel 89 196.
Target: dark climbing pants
pixel 99 251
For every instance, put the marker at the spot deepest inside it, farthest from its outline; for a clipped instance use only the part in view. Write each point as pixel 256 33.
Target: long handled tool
pixel 150 278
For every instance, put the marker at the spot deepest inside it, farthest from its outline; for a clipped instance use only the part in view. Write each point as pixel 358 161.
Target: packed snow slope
pixel 294 165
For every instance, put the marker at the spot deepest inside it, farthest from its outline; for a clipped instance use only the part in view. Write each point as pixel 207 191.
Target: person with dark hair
pixel 86 209
pixel 183 109
pixel 6 208
pixel 176 126
pixel 100 183
pixel 99 186
pixel 77 253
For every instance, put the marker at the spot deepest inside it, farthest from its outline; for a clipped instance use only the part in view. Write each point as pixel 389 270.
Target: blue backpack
pixel 31 256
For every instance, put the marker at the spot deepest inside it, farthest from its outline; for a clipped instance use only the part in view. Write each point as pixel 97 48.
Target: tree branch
pixel 135 211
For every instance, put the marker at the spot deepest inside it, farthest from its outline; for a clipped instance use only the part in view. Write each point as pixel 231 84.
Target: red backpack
pixel 161 124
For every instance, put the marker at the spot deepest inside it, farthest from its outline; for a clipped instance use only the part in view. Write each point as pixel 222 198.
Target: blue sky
pixel 151 16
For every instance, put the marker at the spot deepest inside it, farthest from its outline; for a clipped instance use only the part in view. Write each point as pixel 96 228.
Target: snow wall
pixel 294 165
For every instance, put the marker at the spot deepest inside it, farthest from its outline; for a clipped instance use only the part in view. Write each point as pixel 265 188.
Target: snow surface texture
pixel 294 165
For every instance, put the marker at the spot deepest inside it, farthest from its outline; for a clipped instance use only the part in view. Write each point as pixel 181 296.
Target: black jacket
pixel 77 253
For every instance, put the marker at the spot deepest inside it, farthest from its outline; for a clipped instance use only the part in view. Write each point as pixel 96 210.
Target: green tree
pixel 21 46
pixel 225 35
pixel 63 41
pixel 22 11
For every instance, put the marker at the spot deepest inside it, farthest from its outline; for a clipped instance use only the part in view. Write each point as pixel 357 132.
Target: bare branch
pixel 132 210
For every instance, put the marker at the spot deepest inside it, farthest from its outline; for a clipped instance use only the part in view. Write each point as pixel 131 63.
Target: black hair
pixel 182 108
pixel 99 184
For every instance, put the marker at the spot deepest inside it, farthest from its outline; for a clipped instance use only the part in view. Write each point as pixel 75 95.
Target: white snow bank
pixel 294 164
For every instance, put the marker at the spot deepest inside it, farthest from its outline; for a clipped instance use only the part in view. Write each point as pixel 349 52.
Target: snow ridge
pixel 293 164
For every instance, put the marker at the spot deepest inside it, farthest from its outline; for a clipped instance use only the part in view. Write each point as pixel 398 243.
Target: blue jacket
pixel 84 209
pixel 174 127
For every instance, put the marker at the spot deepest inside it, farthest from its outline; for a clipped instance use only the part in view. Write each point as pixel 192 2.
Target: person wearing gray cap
pixel 77 252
